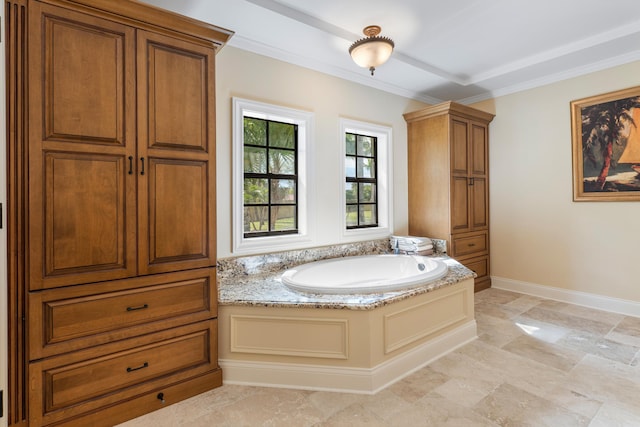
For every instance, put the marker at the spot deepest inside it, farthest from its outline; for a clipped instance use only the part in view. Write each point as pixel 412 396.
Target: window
pixel 361 186
pixel 270 177
pixel 271 155
pixel 367 196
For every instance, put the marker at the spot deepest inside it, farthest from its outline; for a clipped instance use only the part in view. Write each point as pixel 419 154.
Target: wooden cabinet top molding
pixel 144 15
pixel 449 107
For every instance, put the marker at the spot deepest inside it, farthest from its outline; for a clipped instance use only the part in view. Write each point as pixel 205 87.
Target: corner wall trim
pixel 598 302
pixel 346 379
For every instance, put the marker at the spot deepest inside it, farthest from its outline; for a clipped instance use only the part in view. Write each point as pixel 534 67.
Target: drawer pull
pixel 144 365
pixel 471 245
pixel 160 397
pixel 140 307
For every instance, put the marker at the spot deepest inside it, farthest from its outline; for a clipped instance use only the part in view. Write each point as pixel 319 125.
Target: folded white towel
pixel 412 248
pixel 424 247
pixel 413 239
pixel 411 245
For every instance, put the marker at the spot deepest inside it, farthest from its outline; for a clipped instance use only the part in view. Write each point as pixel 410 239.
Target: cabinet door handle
pixel 130 165
pixel 470 181
pixel 142 161
pixel 140 307
pixel 144 365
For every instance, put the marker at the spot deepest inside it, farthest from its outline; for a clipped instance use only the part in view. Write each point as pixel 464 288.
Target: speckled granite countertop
pixel 255 281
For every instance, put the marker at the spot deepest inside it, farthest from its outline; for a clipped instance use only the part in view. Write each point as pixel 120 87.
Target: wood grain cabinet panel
pixel 84 381
pixel 459 146
pixel 77 242
pixel 177 197
pixel 74 383
pixel 161 178
pixel 111 137
pixel 479 214
pixel 469 243
pixel 178 228
pixel 449 179
pixel 82 131
pixel 480 266
pixel 460 203
pixel 479 149
pixel 83 59
pixel 178 83
pixel 69 319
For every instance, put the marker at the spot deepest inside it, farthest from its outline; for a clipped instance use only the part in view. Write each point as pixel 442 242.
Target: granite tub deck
pixel 272 336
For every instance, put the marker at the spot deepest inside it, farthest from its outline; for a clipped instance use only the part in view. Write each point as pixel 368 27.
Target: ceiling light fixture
pixel 373 50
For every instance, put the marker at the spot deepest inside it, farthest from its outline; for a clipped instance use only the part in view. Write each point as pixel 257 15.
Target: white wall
pixel 246 75
pixel 538 234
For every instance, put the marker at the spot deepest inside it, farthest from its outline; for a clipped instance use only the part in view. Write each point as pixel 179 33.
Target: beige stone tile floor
pixel 536 362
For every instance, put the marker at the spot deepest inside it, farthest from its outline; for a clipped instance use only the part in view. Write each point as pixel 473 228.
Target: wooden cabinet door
pixel 176 154
pixel 469 165
pixel 460 193
pixel 460 203
pixel 479 204
pixel 479 169
pixel 479 150
pixel 81 135
pixel 459 146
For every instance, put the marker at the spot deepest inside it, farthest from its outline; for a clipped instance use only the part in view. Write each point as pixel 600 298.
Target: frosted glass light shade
pixel 373 50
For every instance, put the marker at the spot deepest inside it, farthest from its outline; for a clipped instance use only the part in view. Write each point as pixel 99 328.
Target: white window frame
pixel 384 135
pixel 304 120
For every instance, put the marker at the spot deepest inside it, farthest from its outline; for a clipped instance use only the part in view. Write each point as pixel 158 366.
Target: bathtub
pixel 271 336
pixel 364 274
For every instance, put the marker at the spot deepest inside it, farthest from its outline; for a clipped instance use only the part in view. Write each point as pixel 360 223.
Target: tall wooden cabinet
pixel 113 298
pixel 449 181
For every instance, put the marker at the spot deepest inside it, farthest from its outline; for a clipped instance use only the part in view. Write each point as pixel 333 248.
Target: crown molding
pixel 260 48
pixel 478 79
pixel 554 78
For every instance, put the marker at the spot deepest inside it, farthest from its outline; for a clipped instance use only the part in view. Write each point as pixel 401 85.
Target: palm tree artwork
pixel 611 145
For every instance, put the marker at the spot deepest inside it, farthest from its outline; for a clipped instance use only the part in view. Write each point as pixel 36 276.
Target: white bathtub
pixel 364 274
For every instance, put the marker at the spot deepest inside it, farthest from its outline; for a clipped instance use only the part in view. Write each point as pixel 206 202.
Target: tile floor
pixel 537 362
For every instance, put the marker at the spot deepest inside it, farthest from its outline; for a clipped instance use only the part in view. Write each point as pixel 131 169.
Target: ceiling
pixel 463 50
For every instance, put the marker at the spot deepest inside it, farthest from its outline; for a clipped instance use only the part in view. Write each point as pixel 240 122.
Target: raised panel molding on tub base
pixel 358 351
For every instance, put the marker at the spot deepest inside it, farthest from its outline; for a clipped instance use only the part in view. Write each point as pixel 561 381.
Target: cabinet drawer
pixel 69 319
pixel 478 265
pixel 464 245
pixel 86 380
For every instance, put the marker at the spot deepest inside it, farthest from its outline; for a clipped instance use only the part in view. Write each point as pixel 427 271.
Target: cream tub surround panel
pixel 271 336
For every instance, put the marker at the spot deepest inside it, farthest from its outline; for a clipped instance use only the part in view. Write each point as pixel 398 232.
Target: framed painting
pixel 606 146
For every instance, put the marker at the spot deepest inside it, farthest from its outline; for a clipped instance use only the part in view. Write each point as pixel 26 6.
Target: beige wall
pixel 538 234
pixel 250 76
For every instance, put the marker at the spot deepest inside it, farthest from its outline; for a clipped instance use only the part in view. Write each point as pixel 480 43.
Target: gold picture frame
pixel 605 133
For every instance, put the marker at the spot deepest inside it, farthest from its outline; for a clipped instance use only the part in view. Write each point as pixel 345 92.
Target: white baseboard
pixel 599 302
pixel 345 379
